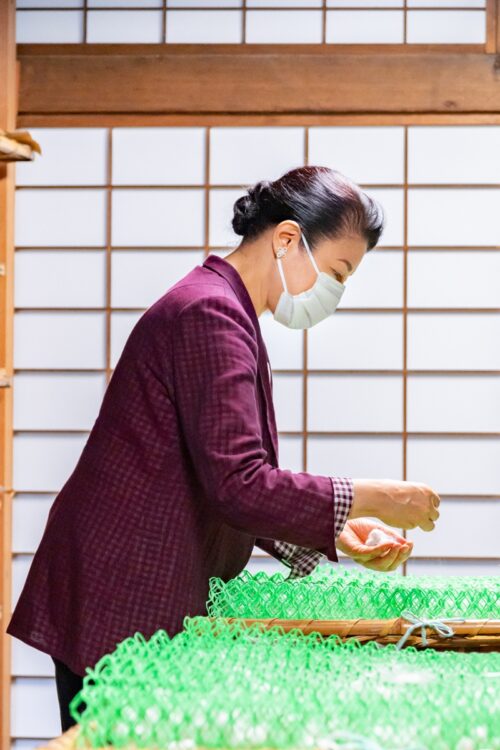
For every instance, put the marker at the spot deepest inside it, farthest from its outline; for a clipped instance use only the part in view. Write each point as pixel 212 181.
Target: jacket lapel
pixel 231 275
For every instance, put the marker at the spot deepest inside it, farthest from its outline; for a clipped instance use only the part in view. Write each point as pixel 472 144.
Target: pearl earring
pixel 281 252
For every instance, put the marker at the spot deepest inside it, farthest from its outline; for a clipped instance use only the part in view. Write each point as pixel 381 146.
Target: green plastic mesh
pixel 223 686
pixel 335 593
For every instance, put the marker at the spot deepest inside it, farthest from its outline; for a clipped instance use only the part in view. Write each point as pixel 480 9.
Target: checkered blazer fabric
pixel 177 482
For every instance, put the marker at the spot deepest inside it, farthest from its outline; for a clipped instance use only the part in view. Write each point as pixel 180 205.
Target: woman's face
pixel 337 257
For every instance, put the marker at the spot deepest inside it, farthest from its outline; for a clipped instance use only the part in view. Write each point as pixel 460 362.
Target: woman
pixel 179 478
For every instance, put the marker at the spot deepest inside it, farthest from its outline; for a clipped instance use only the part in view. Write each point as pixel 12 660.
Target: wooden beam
pixel 494 11
pixel 8 106
pixel 241 80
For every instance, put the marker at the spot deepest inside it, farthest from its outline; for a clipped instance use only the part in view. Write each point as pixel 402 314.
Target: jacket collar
pixel 228 272
pixel 231 275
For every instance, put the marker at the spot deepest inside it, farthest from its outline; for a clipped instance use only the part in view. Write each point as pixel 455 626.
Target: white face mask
pixel 314 304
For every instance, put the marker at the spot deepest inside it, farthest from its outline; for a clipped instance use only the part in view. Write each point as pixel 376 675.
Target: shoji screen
pixel 253 21
pixel 403 381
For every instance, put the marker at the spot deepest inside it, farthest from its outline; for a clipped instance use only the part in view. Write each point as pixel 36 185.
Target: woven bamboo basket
pixel 469 635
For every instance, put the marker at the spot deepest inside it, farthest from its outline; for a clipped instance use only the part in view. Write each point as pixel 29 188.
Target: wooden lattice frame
pixel 89 105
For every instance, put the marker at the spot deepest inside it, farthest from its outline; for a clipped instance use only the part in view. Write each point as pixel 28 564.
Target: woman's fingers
pixel 383 564
pixel 397 537
pixel 388 561
pixel 427 525
pixel 365 554
pixel 434 514
pixel 402 558
pixel 391 560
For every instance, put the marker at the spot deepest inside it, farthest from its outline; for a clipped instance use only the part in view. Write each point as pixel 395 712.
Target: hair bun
pixel 247 208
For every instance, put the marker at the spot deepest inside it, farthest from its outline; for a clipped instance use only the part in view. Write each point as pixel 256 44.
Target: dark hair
pixel 324 202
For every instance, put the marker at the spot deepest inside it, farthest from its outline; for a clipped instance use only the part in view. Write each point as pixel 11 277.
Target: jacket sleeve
pixel 303 561
pixel 215 373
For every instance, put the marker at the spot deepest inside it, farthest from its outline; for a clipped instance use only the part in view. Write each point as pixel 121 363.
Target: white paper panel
pixel 31 744
pixel 355 403
pixel 460 403
pixel 156 218
pixel 34 709
pixel 158 156
pixel 267 565
pixel 432 154
pixel 453 341
pixel 284 27
pixel 30 662
pixel 221 215
pixel 449 216
pixel 139 278
pixel 203 27
pixel 284 345
pixel 357 457
pixel 20 567
pixel 363 3
pixel 392 202
pixel 453 568
pixel 464 529
pixel 446 3
pixel 60 218
pixel 121 326
pixel 345 562
pixel 49 4
pixel 446 27
pixel 283 3
pixel 245 155
pixel 368 341
pixel 59 278
pixel 288 401
pixel 43 463
pixel 364 27
pixel 125 4
pixel 59 340
pixel 377 282
pixel 453 279
pixel 53 401
pixel 28 522
pixel 207 3
pixel 455 466
pixel 290 453
pixel 49 27
pixel 70 156
pixel 131 26
pixel 372 155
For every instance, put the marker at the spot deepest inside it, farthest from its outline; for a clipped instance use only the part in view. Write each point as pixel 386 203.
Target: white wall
pixel 151 207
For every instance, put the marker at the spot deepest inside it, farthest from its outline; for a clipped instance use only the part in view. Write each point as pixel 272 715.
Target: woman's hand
pixel 404 505
pixel 386 556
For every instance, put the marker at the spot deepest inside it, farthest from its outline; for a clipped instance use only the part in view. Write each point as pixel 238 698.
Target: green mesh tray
pixel 335 593
pixel 224 686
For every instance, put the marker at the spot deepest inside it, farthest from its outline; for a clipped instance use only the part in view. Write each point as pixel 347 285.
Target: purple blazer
pixel 178 480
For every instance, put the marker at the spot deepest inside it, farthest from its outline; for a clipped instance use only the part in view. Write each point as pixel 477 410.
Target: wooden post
pixel 8 112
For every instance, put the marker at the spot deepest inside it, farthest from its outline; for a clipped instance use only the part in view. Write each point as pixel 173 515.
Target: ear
pixel 286 234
